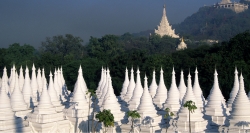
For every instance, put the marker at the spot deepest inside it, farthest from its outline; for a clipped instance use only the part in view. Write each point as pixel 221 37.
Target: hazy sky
pixel 30 21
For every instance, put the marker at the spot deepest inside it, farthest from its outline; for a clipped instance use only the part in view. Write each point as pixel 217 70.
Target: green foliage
pixel 133 114
pixel 106 117
pixel 190 105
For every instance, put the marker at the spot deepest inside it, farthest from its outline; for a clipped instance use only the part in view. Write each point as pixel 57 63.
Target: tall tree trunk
pixel 189 123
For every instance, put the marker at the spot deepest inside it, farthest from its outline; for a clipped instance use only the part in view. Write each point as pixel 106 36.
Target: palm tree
pixel 106 117
pixel 167 115
pixel 191 107
pixel 133 114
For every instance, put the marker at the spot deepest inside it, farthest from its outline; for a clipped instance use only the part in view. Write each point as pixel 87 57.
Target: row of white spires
pixel 50 109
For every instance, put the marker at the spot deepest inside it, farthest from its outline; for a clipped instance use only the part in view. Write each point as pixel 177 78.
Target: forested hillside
pixel 147 54
pixel 213 23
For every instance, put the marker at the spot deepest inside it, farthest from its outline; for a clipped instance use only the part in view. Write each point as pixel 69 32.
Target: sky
pixel 31 21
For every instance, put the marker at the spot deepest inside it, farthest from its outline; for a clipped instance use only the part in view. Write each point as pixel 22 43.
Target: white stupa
pixel 135 99
pixel 240 114
pixel 182 87
pixel 104 90
pixel 131 87
pixel 9 123
pixel 200 100
pixel 125 84
pixel 215 109
pixel 110 102
pixel 53 95
pixel 45 118
pixel 77 113
pixel 234 91
pixel 12 80
pixel 5 77
pixel 146 109
pixel 27 91
pixel 153 86
pixel 182 45
pixel 21 79
pixel 161 92
pixel 99 93
pixel 56 86
pixel 173 100
pixel 39 81
pixel 198 124
pixel 164 28
pixel 100 82
pixel 18 104
pixel 34 84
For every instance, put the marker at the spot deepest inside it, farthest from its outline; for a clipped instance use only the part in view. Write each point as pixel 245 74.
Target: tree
pixel 106 117
pixel 133 114
pixel 191 107
pixel 167 115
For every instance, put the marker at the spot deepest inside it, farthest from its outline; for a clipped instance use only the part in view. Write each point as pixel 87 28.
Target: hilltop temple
pixel 234 6
pixel 165 28
pixel 182 45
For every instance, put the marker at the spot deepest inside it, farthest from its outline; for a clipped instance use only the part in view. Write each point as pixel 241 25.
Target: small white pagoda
pixel 161 92
pixel 182 87
pixel 198 124
pixel 125 84
pixel 153 86
pixel 240 114
pixel 135 99
pixel 215 109
pixel 182 45
pixel 164 28
pixel 130 88
pixel 234 91
pixel 173 100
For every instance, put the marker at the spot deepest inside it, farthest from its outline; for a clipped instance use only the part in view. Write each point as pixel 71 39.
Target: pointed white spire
pixel 215 106
pixel 103 83
pixel 137 93
pixel 39 81
pixel 235 89
pixel 146 107
pixel 4 99
pixel 51 90
pixel 21 79
pixel 182 87
pixel 161 92
pixel 240 109
pixel 27 90
pixel 173 99
pixel 197 91
pixel 34 84
pixel 131 87
pixel 100 82
pixel 45 100
pixel 198 123
pixel 153 87
pixel 125 84
pixel 17 100
pixel 56 86
pixel 5 78
pixel 12 80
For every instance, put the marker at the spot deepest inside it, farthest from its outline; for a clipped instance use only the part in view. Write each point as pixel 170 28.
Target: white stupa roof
pixel 39 80
pixel 100 82
pixel 52 92
pixel 125 84
pixel 161 92
pixel 240 107
pixel 153 86
pixel 34 84
pixel 215 106
pixel 27 90
pixel 21 79
pixel 99 93
pixel 17 100
pixel 197 91
pixel 5 77
pixel 131 87
pixel 146 107
pixel 182 87
pixel 135 99
pixel 173 100
pixel 235 89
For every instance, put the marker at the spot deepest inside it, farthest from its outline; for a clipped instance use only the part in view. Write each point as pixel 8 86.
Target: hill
pixel 213 23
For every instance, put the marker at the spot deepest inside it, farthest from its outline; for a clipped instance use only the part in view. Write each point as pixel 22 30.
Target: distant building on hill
pixel 182 45
pixel 234 6
pixel 165 28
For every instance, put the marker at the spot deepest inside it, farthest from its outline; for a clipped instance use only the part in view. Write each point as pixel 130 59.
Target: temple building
pixel 165 28
pixel 234 6
pixel 182 45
